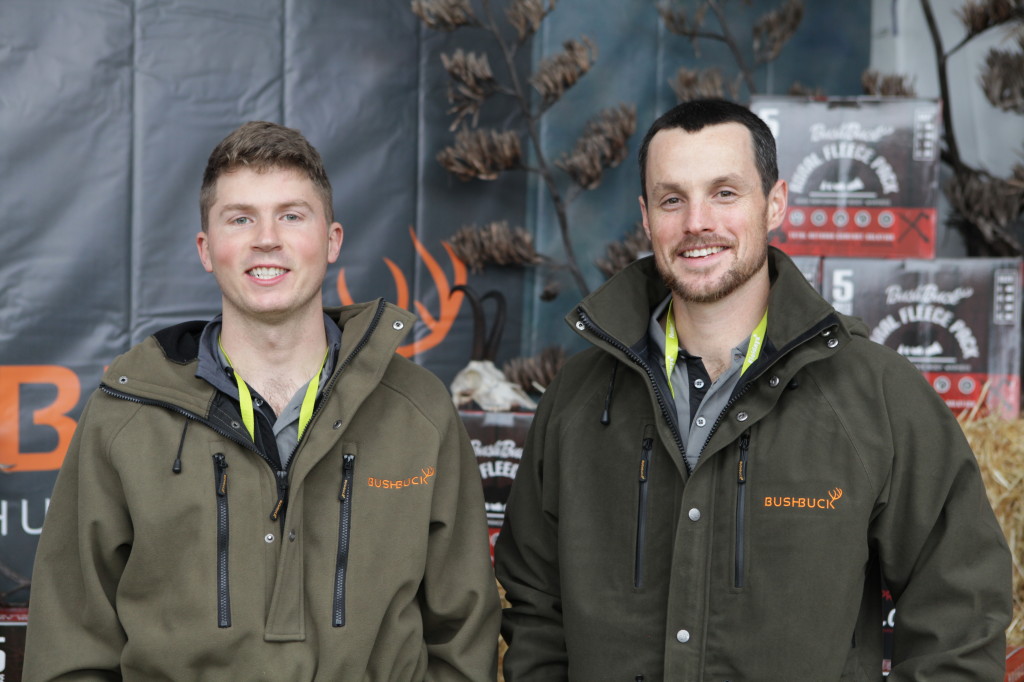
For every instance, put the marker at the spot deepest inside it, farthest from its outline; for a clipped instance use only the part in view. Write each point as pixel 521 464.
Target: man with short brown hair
pixel 273 494
pixel 716 488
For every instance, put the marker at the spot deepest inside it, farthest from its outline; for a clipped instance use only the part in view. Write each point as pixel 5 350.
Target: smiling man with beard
pixel 717 489
pixel 216 518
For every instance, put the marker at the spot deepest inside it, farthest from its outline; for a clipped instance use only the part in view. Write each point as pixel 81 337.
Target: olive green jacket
pixel 172 550
pixel 833 464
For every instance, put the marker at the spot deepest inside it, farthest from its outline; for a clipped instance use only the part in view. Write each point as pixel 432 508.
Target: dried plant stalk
pixel 535 374
pixel 677 21
pixel 495 244
pixel 774 29
pixel 696 84
pixel 1002 80
pixel 798 89
pixel 481 154
pixel 887 85
pixel 472 82
pixel 619 254
pixel 989 206
pixel 557 74
pixel 603 144
pixel 978 16
pixel 526 15
pixel 444 15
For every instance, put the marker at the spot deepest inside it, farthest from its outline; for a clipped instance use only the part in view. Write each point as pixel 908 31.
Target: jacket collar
pixel 622 306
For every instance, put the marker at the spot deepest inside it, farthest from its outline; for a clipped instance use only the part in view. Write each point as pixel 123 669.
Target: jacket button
pixel 701 421
pixel 291 536
pixel 827 332
pixel 122 380
pixel 682 636
pixel 694 514
pixel 742 417
pixel 236 425
pixel 398 325
pixel 773 382
pixel 581 326
pixel 268 538
pixel 337 425
pixel 832 343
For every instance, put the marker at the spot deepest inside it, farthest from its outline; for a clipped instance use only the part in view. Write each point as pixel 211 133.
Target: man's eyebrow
pixel 294 203
pixel 230 208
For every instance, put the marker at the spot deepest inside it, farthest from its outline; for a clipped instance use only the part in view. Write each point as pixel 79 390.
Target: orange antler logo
pixel 835 494
pixel 450 301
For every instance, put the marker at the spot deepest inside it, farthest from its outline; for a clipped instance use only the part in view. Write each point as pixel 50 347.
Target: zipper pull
pixel 282 494
pixel 645 458
pixel 222 465
pixel 742 466
pixel 346 476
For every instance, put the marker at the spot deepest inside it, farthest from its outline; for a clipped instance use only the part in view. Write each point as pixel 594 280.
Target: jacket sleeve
pixel 73 629
pixel 941 549
pixel 526 558
pixel 461 611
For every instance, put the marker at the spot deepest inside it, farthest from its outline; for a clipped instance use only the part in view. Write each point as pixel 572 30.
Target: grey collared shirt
pixel 698 400
pixel 214 368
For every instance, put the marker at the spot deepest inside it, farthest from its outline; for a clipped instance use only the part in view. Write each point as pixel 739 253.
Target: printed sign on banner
pixel 863 175
pixel 12 643
pixel 957 319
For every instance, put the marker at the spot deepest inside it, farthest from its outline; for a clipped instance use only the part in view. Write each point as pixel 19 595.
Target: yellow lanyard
pixel 245 398
pixel 672 345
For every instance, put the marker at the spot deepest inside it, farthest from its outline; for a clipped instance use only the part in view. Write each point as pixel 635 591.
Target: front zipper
pixel 641 515
pixel 637 360
pixel 344 533
pixel 741 504
pixel 282 474
pixel 220 479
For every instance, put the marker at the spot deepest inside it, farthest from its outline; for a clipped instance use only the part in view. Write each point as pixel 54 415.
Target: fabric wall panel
pixel 446 204
pixel 65 104
pixel 201 70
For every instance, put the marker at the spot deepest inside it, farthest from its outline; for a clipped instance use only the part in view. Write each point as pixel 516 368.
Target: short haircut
pixel 263 146
pixel 694 115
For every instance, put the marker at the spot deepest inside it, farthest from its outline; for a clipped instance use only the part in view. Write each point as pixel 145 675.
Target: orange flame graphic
pixel 450 303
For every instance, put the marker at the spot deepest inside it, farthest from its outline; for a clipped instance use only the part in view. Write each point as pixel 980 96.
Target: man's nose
pixel 267 235
pixel 696 217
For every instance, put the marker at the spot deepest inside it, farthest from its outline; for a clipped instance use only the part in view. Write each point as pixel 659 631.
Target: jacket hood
pixel 175 381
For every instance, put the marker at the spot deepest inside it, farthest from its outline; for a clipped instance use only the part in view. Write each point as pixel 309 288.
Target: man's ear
pixel 643 216
pixel 778 201
pixel 335 235
pixel 203 247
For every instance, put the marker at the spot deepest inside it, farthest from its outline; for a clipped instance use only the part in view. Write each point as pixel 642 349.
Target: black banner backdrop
pixel 109 108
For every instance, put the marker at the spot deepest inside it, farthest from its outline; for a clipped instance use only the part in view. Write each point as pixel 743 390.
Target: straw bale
pixel 999 447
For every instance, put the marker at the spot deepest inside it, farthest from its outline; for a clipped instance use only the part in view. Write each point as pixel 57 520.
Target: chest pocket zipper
pixel 220 474
pixel 741 506
pixel 344 532
pixel 641 511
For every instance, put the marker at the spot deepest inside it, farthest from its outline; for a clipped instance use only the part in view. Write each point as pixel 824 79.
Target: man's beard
pixel 739 274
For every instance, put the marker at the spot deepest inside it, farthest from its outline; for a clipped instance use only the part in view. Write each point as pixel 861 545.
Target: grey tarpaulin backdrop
pixel 108 109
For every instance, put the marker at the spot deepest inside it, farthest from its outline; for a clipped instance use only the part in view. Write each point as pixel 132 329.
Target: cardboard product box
pixel 498 439
pixel 810 268
pixel 957 319
pixel 13 622
pixel 863 174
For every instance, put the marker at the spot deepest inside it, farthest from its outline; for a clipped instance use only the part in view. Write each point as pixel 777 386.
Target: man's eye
pixel 290 217
pixel 727 193
pixel 241 220
pixel 672 200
